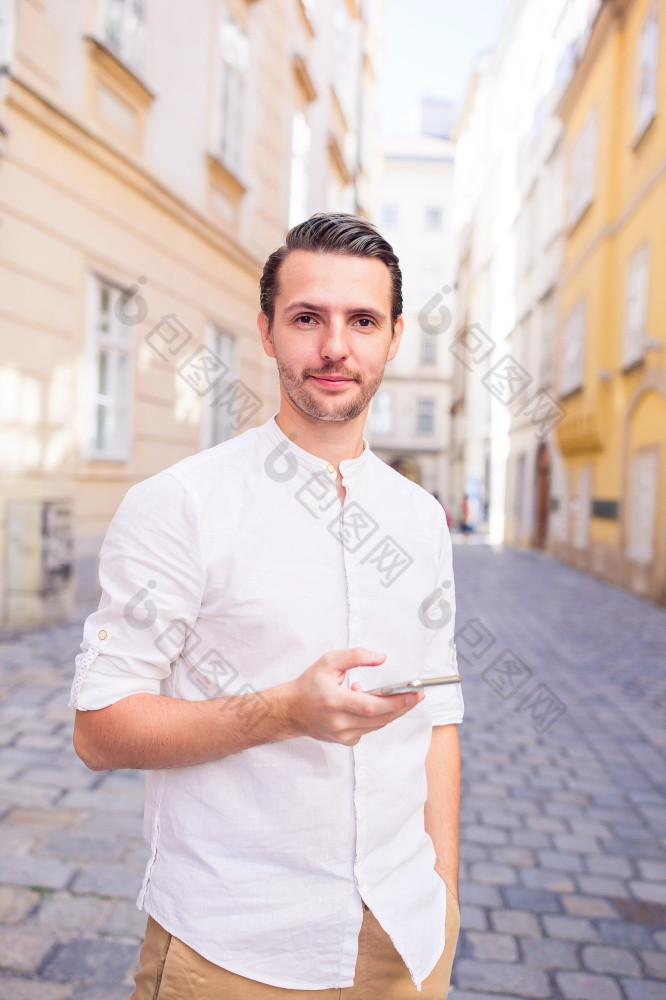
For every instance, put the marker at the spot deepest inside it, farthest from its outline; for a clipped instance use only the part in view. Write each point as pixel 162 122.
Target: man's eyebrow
pixel 313 307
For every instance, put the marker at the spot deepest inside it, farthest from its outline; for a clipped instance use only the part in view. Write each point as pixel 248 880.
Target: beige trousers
pixel 170 970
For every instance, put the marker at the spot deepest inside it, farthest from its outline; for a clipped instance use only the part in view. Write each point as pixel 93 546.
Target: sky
pixel 429 49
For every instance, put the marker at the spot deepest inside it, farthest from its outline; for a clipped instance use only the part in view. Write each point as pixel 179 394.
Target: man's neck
pixel 331 440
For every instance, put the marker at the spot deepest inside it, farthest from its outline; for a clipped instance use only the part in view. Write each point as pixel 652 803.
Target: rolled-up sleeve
pixel 152 574
pixel 438 613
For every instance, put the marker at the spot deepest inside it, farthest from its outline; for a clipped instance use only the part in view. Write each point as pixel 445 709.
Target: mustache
pixel 329 374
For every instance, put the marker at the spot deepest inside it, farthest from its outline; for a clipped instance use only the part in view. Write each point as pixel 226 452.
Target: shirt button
pixel 330 468
pixel 102 634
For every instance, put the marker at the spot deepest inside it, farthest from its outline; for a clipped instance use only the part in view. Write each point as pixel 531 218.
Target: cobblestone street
pixel 563 824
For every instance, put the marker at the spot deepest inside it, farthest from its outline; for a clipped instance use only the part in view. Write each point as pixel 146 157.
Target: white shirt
pixel 233 569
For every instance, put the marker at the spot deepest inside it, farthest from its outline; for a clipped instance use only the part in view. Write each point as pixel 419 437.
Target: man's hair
pixel 338 233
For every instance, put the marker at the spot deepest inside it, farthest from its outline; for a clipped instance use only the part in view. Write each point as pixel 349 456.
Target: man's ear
pixel 266 335
pixel 396 338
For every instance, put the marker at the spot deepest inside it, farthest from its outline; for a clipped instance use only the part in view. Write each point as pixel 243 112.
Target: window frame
pixel 115 347
pixel 647 69
pixel 568 382
pixel 634 328
pixel 126 49
pixel 425 409
pixel 214 336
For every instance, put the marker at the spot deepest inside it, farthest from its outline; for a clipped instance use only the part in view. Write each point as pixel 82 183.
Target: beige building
pixel 151 158
pixel 409 416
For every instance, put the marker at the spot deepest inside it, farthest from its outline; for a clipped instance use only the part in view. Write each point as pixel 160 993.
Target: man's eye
pixel 365 319
pixel 308 318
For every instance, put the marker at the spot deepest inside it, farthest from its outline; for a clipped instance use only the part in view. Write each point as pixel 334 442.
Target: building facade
pixel 409 416
pixel 150 159
pixel 612 364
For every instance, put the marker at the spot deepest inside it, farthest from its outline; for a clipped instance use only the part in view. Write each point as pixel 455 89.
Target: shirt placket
pixel 353 639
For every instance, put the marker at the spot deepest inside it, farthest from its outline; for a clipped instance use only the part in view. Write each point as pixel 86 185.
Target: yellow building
pixel 151 157
pixel 612 358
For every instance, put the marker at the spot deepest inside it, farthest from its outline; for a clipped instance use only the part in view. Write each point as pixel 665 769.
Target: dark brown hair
pixel 337 233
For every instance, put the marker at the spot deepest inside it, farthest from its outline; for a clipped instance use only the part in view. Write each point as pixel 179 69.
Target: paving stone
pixel 549 954
pixel 660 939
pixel 577 844
pixel 624 934
pixel 599 885
pixel 651 892
pixel 28 870
pixel 455 994
pixel 481 895
pixel 85 848
pixel 508 977
pixel 652 870
pixel 530 838
pixel 584 986
pixel 541 878
pixel 64 912
pixel 546 824
pixel 16 903
pixel 570 928
pixel 483 834
pixel 598 864
pixel 22 950
pixel 93 960
pixel 473 918
pixel 518 922
pixel 108 880
pixel 655 963
pixel 472 852
pixel 562 860
pixel 24 989
pixel 122 919
pixel 637 989
pixel 88 992
pixel 538 900
pixel 492 947
pixel 614 961
pixel 493 874
pixel 512 855
pixel 588 906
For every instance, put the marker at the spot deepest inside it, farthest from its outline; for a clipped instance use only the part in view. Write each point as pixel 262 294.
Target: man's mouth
pixel 333 380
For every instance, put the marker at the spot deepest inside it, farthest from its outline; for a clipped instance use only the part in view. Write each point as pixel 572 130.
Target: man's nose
pixel 335 340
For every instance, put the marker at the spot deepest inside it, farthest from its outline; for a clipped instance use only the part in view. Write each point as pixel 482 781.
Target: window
pixel 125 31
pixel 642 507
pixel 582 526
pixel 389 215
pixel 519 498
pixel 235 58
pixel 425 416
pixel 647 67
pixel 343 49
pixel 381 413
pixel 571 377
pixel 635 306
pixel 110 340
pixel 218 420
pixel 434 217
pixel 428 348
pixel 547 340
pixel 583 165
pixel 300 158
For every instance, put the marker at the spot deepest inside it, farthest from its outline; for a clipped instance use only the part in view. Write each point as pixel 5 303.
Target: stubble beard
pixel 310 402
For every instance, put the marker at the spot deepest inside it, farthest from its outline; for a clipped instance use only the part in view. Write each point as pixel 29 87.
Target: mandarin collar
pixel 349 467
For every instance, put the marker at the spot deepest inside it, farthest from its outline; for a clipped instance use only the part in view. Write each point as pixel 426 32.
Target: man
pixel 303 833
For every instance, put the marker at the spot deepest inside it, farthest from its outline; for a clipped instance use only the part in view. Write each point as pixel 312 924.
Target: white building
pixel 509 251
pixel 410 415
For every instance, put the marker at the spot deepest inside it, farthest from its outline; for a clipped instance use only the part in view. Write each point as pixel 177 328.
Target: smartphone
pixel 404 687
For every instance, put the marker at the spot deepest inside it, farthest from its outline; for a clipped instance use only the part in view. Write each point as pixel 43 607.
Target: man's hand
pixel 326 710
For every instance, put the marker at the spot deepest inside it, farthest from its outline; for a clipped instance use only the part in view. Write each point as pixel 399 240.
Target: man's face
pixel 331 334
